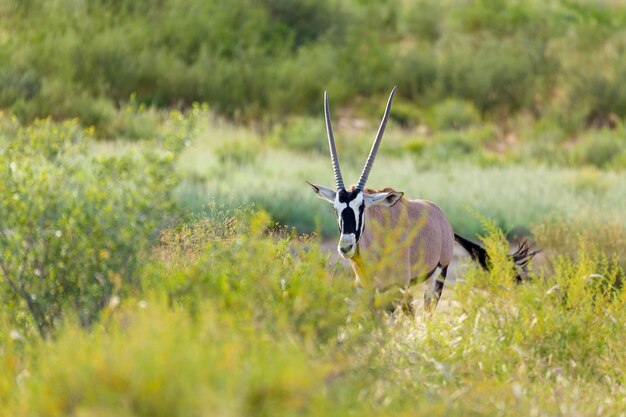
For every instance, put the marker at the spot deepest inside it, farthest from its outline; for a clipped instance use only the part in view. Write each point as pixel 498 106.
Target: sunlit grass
pixel 227 313
pixel 515 196
pixel 222 334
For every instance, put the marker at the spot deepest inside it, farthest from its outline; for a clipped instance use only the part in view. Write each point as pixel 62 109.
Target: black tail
pixel 520 257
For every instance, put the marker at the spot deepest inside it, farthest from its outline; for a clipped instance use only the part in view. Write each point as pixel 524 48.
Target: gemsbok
pixel 392 241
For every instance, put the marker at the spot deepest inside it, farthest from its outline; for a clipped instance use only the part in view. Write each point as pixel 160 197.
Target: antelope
pixel 392 241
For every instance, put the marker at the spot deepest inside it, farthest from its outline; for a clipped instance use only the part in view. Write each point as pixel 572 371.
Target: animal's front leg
pixel 433 291
pixel 387 299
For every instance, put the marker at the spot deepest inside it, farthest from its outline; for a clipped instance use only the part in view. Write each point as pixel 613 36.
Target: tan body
pixel 402 244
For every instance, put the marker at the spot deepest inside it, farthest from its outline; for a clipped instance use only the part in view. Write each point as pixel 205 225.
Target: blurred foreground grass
pixel 257 325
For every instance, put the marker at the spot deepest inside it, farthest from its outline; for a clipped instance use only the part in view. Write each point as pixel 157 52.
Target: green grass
pixel 515 196
pixel 145 309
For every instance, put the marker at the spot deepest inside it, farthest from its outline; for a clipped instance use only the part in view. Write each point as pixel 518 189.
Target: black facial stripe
pixel 348 224
pixel 348 221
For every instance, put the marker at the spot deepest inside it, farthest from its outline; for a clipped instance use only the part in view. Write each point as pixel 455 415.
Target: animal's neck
pixel 380 223
pixel 361 278
pixel 380 233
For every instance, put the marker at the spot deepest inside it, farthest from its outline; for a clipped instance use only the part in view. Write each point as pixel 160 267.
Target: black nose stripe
pixel 348 220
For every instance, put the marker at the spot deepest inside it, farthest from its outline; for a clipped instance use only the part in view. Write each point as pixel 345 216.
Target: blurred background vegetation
pixel 558 61
pixel 161 253
pixel 483 86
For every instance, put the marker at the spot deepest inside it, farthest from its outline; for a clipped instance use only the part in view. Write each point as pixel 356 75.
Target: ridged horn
pixel 331 144
pixel 374 150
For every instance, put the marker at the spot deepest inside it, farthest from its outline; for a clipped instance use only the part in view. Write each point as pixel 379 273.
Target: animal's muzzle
pixel 347 245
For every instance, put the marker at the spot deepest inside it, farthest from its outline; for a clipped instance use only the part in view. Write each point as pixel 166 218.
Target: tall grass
pixel 263 328
pixel 515 196
pixel 149 311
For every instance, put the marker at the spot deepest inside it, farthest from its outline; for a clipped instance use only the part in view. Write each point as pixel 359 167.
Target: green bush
pixel 303 134
pixel 451 145
pixel 497 74
pixel 592 90
pixel 407 113
pixel 563 238
pixel 217 259
pixel 599 149
pixel 134 121
pixel 454 114
pixel 218 331
pixel 237 152
pixel 73 225
pixel 268 61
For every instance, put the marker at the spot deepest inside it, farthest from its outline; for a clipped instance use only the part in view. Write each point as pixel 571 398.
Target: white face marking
pixel 339 208
pixel 345 242
pixel 338 205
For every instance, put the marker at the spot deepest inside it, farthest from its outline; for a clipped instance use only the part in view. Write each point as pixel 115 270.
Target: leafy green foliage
pixel 512 108
pixel 304 134
pixel 292 290
pixel 266 60
pixel 453 114
pixel 73 225
pixel 217 331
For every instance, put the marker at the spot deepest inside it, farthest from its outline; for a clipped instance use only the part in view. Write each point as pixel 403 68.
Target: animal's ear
pixel 323 192
pixel 386 199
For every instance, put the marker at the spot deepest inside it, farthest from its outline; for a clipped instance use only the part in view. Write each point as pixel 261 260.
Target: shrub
pixel 237 152
pixel 73 225
pixel 454 114
pixel 285 336
pixel 132 122
pixel 591 89
pixel 599 149
pixel 303 134
pixel 270 60
pixel 154 360
pixel 451 145
pixel 563 238
pixel 239 261
pixel 497 75
pixel 407 113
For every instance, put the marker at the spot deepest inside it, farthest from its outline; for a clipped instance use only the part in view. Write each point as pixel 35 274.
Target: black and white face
pixel 350 208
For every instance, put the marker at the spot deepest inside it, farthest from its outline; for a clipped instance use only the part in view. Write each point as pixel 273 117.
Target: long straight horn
pixel 331 145
pixel 374 150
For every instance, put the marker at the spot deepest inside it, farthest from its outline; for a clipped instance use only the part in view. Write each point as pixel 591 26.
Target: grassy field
pixel 131 288
pixel 161 253
pixel 216 332
pixel 514 196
